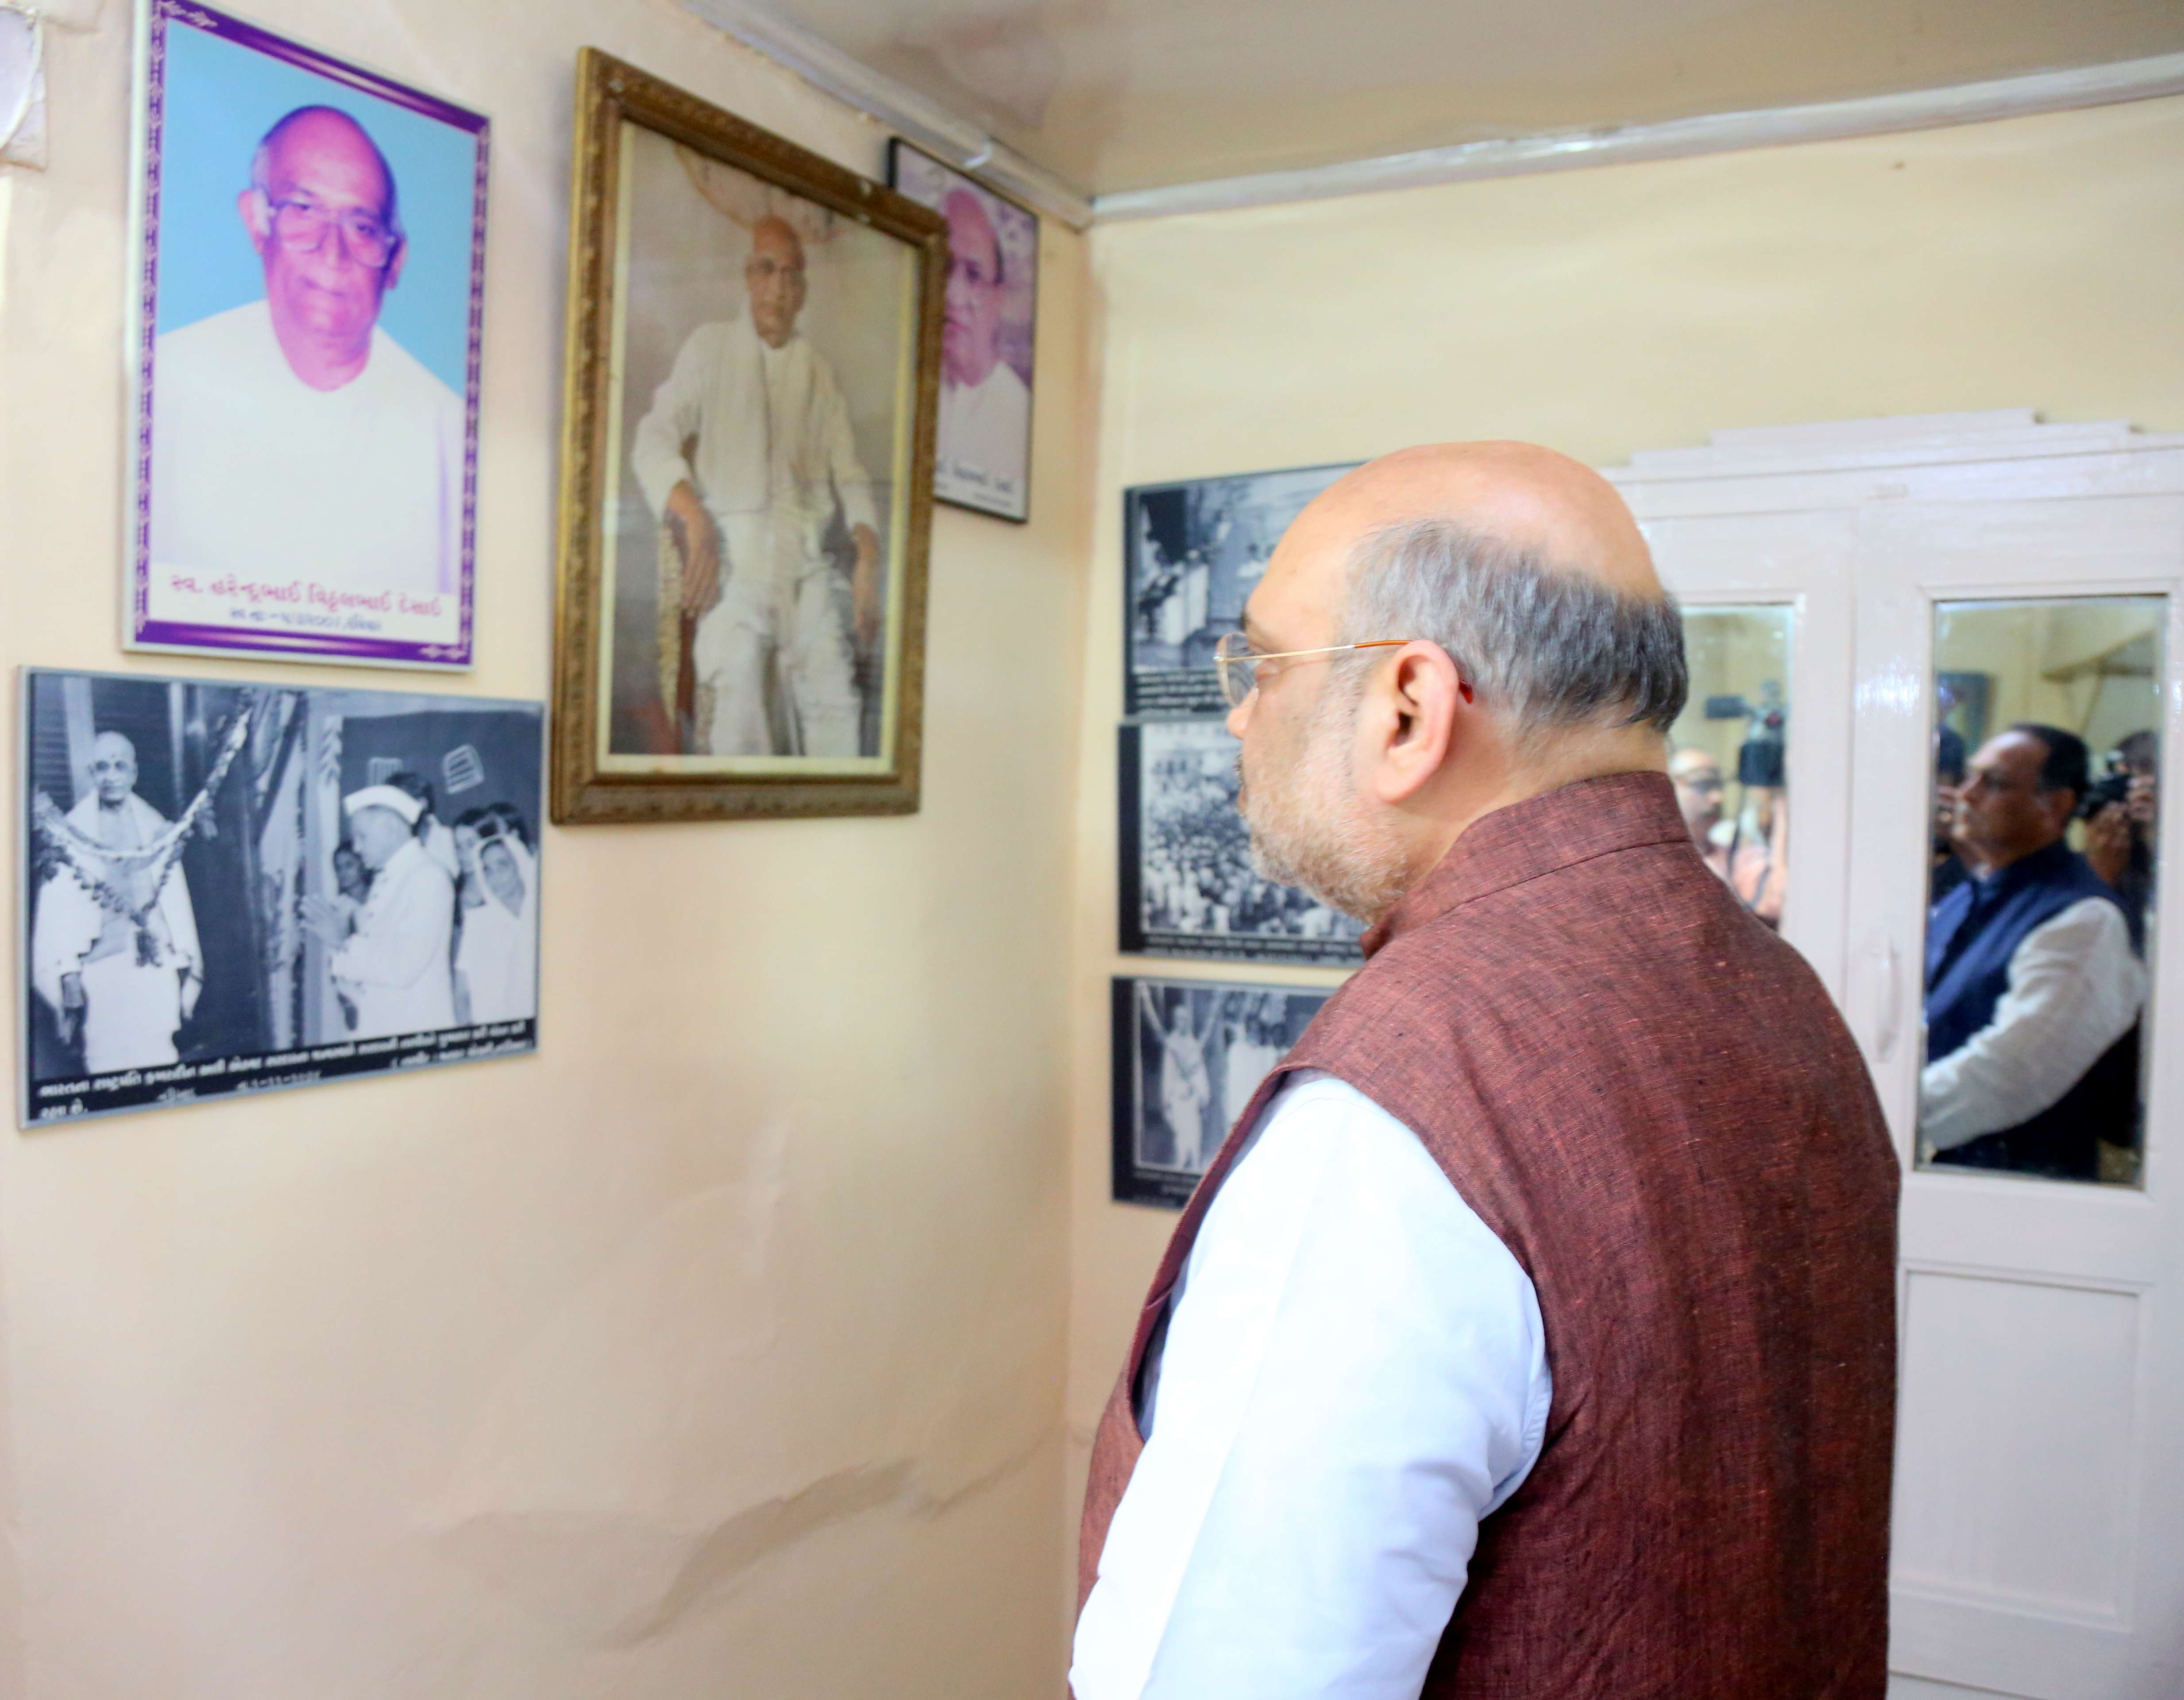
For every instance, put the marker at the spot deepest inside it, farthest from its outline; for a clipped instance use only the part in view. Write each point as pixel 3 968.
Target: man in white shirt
pixel 392 959
pixel 2032 990
pixel 1532 1334
pixel 985 407
pixel 292 439
pixel 746 456
pixel 130 978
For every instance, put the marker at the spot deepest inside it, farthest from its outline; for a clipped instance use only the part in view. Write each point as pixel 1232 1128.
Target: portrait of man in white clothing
pixel 1188 1056
pixel 746 470
pixel 984 457
pixel 113 951
pixel 238 887
pixel 305 465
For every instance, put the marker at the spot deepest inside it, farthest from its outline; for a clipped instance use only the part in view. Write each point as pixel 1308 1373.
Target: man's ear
pixel 1419 703
pixel 392 268
pixel 257 217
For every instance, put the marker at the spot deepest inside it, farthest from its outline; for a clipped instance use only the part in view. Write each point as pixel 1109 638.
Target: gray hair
pixel 261 162
pixel 1543 648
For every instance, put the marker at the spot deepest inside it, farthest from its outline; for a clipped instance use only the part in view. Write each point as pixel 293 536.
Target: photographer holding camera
pixel 1752 865
pixel 2119 827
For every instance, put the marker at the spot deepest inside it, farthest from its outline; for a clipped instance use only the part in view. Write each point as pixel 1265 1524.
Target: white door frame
pixel 1883 517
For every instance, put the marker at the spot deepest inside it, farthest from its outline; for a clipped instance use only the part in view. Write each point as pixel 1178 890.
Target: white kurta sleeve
pixel 851 484
pixel 2074 989
pixel 406 939
pixel 655 448
pixel 68 924
pixel 1354 1374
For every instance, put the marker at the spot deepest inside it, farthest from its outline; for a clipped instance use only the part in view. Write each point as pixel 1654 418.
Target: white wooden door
pixel 2038 1539
pixel 2039 1523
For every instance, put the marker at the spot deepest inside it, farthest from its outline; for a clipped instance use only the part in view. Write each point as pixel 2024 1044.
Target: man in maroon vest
pixel 1533 1334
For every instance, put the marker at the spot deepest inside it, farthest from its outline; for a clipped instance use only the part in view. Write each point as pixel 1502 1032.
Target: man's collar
pixel 1556 829
pixel 2043 863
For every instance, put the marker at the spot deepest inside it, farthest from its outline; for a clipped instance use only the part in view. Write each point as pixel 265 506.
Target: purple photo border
pixel 145 631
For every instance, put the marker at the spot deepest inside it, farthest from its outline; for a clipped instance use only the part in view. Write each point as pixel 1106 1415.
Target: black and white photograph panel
pixel 1193 552
pixel 234 888
pixel 1187 885
pixel 1188 1056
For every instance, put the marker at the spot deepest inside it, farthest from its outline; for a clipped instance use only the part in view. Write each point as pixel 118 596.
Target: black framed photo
pixel 1188 1056
pixel 233 888
pixel 1192 553
pixel 982 460
pixel 1186 884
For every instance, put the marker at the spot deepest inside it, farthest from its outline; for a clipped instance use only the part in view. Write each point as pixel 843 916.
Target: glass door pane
pixel 2040 887
pixel 1729 755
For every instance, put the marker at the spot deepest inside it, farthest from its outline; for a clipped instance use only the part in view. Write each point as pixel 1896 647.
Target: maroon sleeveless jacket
pixel 1650 1099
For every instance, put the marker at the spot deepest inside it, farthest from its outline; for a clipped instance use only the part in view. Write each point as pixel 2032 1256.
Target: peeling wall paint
pixel 717 1351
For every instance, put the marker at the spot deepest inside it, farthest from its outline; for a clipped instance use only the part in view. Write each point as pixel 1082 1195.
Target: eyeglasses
pixel 1239 666
pixel 302 227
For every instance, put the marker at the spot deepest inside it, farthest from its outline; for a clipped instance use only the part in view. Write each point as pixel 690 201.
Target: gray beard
pixel 1328 851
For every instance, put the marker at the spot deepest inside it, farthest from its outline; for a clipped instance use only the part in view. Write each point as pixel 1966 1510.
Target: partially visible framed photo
pixel 1188 1056
pixel 308 279
pixel 753 359
pixel 983 461
pixel 233 888
pixel 1187 887
pixel 1192 554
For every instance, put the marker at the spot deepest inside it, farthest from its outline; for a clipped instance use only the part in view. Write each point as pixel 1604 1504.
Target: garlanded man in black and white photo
pixel 392 960
pixel 114 951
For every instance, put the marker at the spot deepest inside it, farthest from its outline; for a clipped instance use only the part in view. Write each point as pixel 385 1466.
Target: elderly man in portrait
pixel 292 437
pixel 985 407
pixel 128 980
pixel 1533 1334
pixel 391 958
pixel 746 456
pixel 2033 993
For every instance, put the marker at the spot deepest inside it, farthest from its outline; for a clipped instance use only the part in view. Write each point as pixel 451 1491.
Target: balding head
pixel 113 768
pixel 1527 501
pixel 323 215
pixel 1536 647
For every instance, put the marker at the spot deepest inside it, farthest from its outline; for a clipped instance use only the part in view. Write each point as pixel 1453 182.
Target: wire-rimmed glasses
pixel 1237 664
pixel 302 224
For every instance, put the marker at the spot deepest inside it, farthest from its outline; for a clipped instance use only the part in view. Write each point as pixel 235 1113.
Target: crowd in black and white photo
pixel 1198 893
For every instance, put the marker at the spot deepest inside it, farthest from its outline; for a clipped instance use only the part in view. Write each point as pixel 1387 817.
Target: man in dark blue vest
pixel 2032 993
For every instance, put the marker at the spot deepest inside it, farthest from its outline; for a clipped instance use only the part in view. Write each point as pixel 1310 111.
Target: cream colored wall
pixel 715 1349
pixel 2028 263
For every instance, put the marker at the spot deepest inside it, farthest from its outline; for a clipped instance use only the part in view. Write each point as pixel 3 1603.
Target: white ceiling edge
pixel 1674 138
pixel 924 122
pixel 963 144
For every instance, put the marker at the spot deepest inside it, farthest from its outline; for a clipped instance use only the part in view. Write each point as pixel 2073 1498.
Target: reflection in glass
pixel 1727 750
pixel 2041 920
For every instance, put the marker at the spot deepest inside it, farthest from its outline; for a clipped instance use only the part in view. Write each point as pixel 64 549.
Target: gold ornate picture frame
pixel 751 378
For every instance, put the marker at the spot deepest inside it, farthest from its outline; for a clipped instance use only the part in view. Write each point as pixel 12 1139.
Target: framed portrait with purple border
pixel 981 459
pixel 308 279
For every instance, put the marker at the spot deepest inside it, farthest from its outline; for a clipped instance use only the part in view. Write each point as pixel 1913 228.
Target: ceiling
pixel 1116 95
